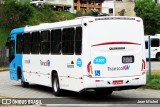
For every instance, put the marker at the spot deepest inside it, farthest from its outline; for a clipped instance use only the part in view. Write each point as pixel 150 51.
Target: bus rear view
pixel 117 53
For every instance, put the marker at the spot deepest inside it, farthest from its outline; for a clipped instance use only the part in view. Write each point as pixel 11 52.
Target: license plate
pixel 127 59
pixel 116 82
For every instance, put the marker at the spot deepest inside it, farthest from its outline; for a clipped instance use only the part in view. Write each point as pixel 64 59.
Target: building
pixel 108 7
pixel 88 5
pixel 119 7
pixel 124 7
pixel 74 5
pixel 61 5
pixel 157 1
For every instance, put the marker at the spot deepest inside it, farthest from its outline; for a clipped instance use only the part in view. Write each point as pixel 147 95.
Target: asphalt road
pixel 13 89
pixel 155 65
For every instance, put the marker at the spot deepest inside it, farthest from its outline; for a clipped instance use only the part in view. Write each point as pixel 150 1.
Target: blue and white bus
pixel 100 53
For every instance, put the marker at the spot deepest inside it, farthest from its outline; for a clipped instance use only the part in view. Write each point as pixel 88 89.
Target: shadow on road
pixel 86 97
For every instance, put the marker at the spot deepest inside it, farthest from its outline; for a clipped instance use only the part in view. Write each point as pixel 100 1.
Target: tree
pixel 15 13
pixel 150 13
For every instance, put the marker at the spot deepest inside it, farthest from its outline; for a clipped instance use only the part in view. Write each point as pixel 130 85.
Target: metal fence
pixel 3 57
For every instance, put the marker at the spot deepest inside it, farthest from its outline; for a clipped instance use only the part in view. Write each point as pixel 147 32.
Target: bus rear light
pixel 97 80
pixel 138 20
pixel 143 64
pixel 89 68
pixel 90 21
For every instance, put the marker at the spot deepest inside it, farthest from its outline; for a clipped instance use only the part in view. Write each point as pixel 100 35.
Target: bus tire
pixel 55 85
pixel 158 57
pixel 103 91
pixel 23 83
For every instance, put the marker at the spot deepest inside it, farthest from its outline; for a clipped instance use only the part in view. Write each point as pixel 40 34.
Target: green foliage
pixel 81 12
pixel 41 15
pixel 154 83
pixel 94 12
pixel 122 12
pixel 18 13
pixel 150 13
pixel 4 33
pixel 15 13
pixel 62 16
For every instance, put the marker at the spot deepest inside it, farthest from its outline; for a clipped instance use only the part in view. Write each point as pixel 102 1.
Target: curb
pixel 3 70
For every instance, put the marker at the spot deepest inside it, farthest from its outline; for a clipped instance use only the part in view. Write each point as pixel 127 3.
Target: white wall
pixel 106 5
pixel 62 2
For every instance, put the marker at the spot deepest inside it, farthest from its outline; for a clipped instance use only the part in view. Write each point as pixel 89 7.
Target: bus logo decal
pixel 27 61
pixel 70 64
pixel 45 63
pixel 97 73
pixel 100 60
pixel 126 67
pixel 79 62
pixel 123 68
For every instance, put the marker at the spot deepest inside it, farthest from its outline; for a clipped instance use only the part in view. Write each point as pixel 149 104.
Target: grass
pixel 154 83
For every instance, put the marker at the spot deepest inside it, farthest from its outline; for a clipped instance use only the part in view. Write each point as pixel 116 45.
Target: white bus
pixel 100 53
pixel 154 47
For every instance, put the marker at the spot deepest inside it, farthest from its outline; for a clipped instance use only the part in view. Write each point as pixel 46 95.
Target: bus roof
pixel 44 26
pixel 17 30
pixel 74 22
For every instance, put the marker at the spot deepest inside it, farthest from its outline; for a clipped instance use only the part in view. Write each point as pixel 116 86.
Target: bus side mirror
pixel 7 50
pixel 7 44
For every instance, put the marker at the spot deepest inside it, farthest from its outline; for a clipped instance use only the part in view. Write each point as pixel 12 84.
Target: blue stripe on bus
pixel 18 57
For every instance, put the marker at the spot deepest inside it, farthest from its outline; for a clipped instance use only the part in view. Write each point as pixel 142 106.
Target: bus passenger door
pixel 12 70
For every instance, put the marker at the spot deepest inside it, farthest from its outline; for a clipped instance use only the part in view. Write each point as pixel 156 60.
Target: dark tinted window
pixel 56 43
pixel 11 50
pixel 19 44
pixel 35 47
pixel 68 41
pixel 78 41
pixel 26 43
pixel 110 10
pixel 155 42
pixel 45 42
pixel 146 44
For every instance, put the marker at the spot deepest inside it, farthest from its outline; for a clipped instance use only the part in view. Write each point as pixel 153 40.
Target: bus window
pixel 11 50
pixel 146 44
pixel 19 44
pixel 155 42
pixel 35 47
pixel 45 42
pixel 56 41
pixel 68 41
pixel 78 41
pixel 26 43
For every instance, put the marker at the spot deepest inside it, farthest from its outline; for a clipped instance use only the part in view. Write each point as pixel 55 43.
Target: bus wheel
pixel 55 85
pixel 158 57
pixel 103 91
pixel 23 83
